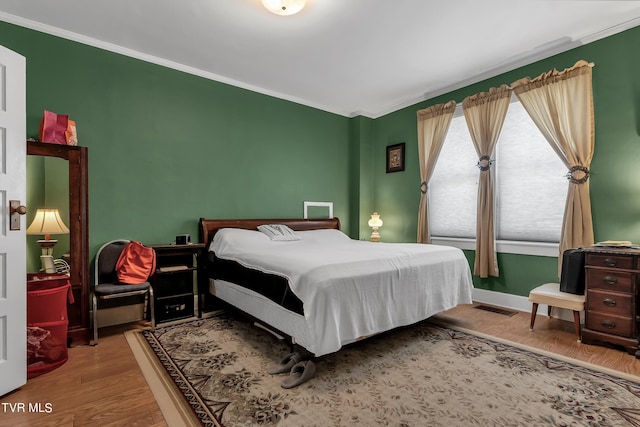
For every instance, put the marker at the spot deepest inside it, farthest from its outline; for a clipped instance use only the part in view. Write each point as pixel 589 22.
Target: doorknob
pixel 15 210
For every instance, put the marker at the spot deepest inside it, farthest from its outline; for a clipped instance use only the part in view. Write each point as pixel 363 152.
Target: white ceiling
pixel 349 57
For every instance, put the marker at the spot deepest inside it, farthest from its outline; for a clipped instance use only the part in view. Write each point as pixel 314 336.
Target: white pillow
pixel 278 232
pixel 238 238
pixel 328 235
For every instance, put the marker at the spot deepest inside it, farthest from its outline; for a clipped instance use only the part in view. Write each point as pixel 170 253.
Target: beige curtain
pixel 433 124
pixel 485 113
pixel 561 105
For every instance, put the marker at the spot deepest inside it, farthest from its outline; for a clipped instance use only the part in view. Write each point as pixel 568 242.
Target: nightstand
pixel 174 293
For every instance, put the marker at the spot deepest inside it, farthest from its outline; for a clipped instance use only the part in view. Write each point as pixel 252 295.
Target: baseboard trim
pixel 520 303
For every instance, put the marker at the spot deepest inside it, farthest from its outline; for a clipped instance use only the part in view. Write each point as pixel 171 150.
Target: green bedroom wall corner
pixel 362 134
pixel 397 194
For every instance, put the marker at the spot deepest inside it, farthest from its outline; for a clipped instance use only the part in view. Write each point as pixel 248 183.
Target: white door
pixel 13 244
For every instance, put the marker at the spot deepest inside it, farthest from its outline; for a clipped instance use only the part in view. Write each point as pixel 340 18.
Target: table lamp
pixel 47 222
pixel 375 223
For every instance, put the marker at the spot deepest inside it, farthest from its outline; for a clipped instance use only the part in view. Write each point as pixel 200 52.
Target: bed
pixel 324 290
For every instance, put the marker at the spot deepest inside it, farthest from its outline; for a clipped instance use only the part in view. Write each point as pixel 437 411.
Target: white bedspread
pixel 352 289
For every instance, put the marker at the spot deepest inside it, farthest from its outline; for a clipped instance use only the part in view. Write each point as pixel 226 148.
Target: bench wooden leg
pixel 576 320
pixel 534 310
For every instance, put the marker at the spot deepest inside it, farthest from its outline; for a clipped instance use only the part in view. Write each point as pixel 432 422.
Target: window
pixel 529 184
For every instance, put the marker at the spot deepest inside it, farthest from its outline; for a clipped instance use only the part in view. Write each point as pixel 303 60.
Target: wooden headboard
pixel 209 227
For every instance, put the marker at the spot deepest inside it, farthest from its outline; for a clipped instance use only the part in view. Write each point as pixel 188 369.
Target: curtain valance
pixel 527 83
pixel 437 110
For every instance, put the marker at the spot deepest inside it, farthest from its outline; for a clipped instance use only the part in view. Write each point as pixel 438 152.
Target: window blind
pixel 530 184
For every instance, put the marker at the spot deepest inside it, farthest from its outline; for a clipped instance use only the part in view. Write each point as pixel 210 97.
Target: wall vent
pixel 502 311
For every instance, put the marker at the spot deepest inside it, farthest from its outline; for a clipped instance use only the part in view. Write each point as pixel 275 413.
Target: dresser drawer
pixel 610 303
pixel 610 280
pixel 609 261
pixel 610 324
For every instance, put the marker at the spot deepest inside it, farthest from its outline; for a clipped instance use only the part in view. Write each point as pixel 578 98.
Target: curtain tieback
pixel 484 163
pixel 424 187
pixel 573 169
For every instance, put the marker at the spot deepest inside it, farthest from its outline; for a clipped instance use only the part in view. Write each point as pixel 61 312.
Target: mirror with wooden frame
pixel 77 159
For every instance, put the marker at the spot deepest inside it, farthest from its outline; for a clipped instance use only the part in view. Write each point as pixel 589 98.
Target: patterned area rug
pixel 423 375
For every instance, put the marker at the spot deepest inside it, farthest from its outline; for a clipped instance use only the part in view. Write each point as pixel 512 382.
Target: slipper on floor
pixel 284 365
pixel 300 373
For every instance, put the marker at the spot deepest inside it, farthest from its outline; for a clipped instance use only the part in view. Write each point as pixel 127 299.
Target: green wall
pixel 615 179
pixel 166 147
pixel 361 174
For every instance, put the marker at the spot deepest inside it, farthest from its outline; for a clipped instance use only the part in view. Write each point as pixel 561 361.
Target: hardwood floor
pixel 98 386
pixel 103 385
pixel 549 333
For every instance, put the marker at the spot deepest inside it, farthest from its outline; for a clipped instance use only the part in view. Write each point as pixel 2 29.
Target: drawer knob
pixel 608 324
pixel 610 280
pixel 609 302
pixel 609 262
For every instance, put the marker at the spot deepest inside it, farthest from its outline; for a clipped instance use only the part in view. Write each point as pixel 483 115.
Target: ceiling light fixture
pixel 284 7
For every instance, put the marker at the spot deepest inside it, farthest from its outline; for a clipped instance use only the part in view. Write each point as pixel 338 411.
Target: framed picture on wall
pixel 395 157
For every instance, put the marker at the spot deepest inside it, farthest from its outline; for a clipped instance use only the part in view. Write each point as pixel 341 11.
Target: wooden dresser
pixel 611 290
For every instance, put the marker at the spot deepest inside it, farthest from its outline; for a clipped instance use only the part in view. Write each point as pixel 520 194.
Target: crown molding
pixel 544 51
pixel 79 38
pixel 539 53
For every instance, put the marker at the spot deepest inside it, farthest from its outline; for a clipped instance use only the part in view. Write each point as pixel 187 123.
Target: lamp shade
pixel 375 220
pixel 47 222
pixel 284 7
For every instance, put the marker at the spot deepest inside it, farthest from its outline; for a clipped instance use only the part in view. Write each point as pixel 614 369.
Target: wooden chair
pixel 550 294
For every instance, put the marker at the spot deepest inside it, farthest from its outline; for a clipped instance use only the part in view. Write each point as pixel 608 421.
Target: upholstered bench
pixel 550 294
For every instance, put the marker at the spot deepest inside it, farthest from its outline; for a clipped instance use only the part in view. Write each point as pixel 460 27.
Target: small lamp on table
pixel 47 222
pixel 375 223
